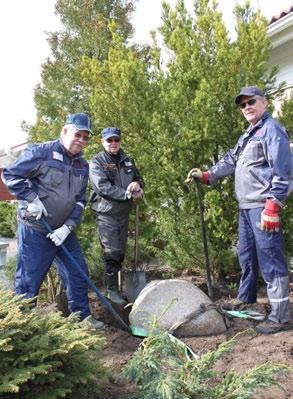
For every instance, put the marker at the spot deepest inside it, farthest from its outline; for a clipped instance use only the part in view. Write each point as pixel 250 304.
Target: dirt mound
pixel 252 349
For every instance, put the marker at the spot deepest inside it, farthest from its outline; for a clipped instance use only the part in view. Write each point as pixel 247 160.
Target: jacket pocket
pixel 252 152
pixel 53 173
pixel 258 178
pixel 127 175
pixel 103 205
pixel 77 180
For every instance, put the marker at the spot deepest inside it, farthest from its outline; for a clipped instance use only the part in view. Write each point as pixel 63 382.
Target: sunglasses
pixel 81 137
pixel 113 140
pixel 252 101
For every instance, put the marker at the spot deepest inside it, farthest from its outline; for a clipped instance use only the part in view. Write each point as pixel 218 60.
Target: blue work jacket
pixel 48 171
pixel 261 162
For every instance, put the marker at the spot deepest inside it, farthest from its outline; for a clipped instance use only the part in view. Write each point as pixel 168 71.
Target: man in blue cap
pixel 50 181
pixel 261 163
pixel 115 182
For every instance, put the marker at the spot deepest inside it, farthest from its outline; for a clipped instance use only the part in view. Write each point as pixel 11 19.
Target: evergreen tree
pixel 46 356
pixel 286 118
pixel 197 121
pixel 176 111
pixel 85 33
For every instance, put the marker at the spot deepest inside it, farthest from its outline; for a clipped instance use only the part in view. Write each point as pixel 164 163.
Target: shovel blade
pixel 134 283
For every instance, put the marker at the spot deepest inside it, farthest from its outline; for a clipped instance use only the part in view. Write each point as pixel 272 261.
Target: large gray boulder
pixel 166 303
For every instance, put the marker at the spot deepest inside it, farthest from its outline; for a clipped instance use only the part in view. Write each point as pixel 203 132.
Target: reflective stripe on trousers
pixel 259 249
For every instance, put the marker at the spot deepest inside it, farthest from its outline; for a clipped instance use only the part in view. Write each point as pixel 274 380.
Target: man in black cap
pixel 50 181
pixel 261 163
pixel 115 182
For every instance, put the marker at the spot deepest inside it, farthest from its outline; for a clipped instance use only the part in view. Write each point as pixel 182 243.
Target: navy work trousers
pixel 258 249
pixel 36 254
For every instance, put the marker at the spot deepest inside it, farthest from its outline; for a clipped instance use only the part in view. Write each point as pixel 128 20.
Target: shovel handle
pixel 136 238
pixel 89 282
pixel 204 239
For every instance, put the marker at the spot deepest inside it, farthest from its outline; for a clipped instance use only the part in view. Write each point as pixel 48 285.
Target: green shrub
pixel 45 356
pixel 10 268
pixel 8 219
pixel 45 292
pixel 162 368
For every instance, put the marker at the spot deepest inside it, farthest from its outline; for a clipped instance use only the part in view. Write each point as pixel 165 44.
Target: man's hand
pixel 137 195
pixel 196 173
pixel 36 209
pixel 134 191
pixel 270 219
pixel 58 236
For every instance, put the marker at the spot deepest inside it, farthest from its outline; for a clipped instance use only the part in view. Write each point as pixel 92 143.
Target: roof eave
pixel 283 26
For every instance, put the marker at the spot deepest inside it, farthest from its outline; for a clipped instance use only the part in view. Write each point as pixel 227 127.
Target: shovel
pixel 204 239
pixel 101 297
pixel 135 280
pixel 203 233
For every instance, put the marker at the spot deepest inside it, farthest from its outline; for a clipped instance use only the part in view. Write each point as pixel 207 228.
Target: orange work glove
pixel 270 219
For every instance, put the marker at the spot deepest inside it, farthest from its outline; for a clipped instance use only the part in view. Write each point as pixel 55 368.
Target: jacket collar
pixel 122 154
pixel 252 128
pixel 62 149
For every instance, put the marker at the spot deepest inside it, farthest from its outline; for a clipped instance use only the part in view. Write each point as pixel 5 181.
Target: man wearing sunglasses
pixel 261 163
pixel 115 183
pixel 50 181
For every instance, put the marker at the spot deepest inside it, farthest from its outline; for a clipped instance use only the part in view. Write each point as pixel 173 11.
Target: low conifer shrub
pixel 162 368
pixel 46 356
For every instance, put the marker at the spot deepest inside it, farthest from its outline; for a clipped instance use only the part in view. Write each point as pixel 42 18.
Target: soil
pixel 252 349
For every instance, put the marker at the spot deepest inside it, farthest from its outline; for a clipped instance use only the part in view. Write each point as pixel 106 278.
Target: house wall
pixel 6 158
pixel 283 57
pixel 4 193
pixel 280 31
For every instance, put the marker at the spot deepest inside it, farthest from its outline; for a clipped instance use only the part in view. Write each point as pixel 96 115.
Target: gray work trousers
pixel 113 230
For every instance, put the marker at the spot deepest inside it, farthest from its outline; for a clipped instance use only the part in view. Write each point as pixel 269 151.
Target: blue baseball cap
pixel 110 132
pixel 248 92
pixel 80 121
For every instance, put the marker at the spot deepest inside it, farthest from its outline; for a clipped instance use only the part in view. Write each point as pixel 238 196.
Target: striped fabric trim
pixel 280 300
pixel 282 182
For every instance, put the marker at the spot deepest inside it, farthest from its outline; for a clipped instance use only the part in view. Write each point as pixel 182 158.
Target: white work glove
pixel 36 209
pixel 59 235
pixel 194 173
pixel 197 174
pixel 137 195
pixel 133 190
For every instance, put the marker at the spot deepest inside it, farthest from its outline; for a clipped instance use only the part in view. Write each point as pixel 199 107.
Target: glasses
pixel 252 101
pixel 81 137
pixel 113 140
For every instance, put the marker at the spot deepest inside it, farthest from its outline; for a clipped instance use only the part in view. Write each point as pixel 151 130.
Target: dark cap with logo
pixel 80 120
pixel 110 132
pixel 248 92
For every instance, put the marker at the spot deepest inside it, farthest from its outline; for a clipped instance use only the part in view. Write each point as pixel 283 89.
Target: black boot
pixel 112 292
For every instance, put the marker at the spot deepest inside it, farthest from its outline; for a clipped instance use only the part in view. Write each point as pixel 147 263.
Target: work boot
pixel 93 323
pixel 112 292
pixel 272 327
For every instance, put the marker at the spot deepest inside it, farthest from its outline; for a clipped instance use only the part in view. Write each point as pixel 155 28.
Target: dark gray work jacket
pixel 109 183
